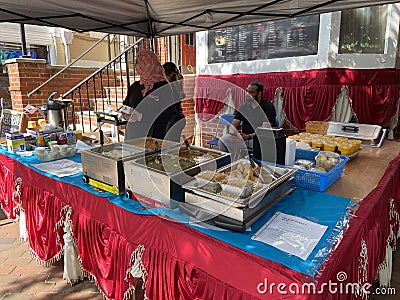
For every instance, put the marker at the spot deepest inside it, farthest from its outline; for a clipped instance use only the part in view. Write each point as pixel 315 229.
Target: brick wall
pixel 27 74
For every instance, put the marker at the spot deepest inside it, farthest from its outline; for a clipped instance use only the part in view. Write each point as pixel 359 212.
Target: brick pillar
pixel 24 75
pixel 188 106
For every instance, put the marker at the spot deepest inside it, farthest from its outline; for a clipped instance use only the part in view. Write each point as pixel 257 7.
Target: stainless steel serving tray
pixel 209 154
pixel 111 151
pixel 156 186
pixel 282 173
pixel 144 162
pixel 370 135
pixel 151 185
pixel 105 164
pixel 149 143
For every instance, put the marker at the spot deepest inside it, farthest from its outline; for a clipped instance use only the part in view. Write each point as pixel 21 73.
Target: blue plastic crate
pixel 317 181
pixel 306 154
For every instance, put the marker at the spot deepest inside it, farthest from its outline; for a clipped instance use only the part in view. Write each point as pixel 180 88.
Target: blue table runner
pixel 322 208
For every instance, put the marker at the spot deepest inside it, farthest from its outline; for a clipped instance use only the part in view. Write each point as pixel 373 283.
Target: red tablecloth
pixel 178 262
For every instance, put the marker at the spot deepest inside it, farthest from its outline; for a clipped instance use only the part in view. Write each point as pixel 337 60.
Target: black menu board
pixel 273 39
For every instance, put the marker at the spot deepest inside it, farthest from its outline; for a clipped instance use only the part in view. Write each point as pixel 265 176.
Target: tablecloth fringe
pixel 46 263
pixel 90 276
pixel 136 266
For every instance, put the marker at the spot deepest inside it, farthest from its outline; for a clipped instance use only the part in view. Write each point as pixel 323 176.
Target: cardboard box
pixel 15 142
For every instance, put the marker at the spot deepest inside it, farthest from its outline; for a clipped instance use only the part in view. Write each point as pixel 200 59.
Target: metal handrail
pixel 100 70
pixel 67 66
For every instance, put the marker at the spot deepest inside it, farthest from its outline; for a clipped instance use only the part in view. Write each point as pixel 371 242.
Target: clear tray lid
pixel 361 131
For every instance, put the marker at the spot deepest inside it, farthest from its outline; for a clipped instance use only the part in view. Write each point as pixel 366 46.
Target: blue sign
pixel 10 54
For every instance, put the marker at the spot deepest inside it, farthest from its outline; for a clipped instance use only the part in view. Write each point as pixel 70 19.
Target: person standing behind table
pixel 248 116
pixel 151 98
pixel 175 78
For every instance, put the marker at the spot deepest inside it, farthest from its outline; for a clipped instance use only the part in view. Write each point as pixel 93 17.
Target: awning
pixel 162 17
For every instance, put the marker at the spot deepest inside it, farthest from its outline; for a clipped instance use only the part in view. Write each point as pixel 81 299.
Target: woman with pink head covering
pixel 151 98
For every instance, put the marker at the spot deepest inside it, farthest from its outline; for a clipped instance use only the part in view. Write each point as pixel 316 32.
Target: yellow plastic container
pixel 41 122
pixel 329 145
pixel 78 134
pixel 306 140
pixel 356 144
pixel 340 139
pixel 295 138
pixel 345 148
pixel 319 143
pixel 304 134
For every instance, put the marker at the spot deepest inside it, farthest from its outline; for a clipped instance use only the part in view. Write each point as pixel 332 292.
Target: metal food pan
pixel 101 165
pixel 281 174
pixel 108 151
pixel 210 159
pixel 150 143
pixel 155 185
pixel 370 135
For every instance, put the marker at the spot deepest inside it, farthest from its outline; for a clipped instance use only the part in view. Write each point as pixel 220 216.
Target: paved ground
pixel 22 278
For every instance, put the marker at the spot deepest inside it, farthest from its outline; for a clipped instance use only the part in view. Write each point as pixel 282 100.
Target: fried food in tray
pixel 236 187
pixel 245 170
pixel 210 180
pixel 236 181
pixel 211 176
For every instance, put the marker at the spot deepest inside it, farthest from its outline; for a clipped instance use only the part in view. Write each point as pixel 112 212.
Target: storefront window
pixel 362 30
pixel 10 51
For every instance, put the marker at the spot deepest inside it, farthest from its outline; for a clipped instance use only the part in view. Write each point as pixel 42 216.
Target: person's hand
pixel 125 116
pixel 235 137
pixel 135 116
pixel 246 137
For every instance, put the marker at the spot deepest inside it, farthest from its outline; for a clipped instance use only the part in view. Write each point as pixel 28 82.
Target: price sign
pixel 12 121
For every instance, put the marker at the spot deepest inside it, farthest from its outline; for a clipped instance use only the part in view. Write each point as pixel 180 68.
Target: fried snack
pixel 238 182
pixel 236 187
pixel 211 176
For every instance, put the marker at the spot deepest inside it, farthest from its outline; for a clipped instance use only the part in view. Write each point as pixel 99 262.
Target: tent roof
pixel 162 17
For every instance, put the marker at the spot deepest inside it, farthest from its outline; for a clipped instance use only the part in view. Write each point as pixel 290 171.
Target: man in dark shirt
pixel 253 113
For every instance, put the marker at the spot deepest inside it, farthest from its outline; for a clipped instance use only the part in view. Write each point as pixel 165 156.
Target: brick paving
pixel 23 278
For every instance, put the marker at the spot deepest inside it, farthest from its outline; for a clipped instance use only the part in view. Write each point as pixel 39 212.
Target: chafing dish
pixel 206 157
pixel 157 179
pixel 233 212
pixel 370 135
pixel 103 166
pixel 152 143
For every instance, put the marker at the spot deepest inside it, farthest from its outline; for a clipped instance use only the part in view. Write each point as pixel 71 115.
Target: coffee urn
pixel 55 110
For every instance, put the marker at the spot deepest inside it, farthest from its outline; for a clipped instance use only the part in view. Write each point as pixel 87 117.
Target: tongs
pixel 185 141
pixel 267 168
pixel 254 163
pixel 157 149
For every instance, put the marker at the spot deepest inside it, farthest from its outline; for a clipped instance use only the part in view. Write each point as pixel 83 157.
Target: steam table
pixel 178 262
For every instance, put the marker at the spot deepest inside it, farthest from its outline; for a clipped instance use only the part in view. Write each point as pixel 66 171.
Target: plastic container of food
pixel 356 144
pixel 345 148
pixel 329 145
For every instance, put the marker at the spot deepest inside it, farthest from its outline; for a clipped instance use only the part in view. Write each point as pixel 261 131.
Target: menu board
pixel 273 39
